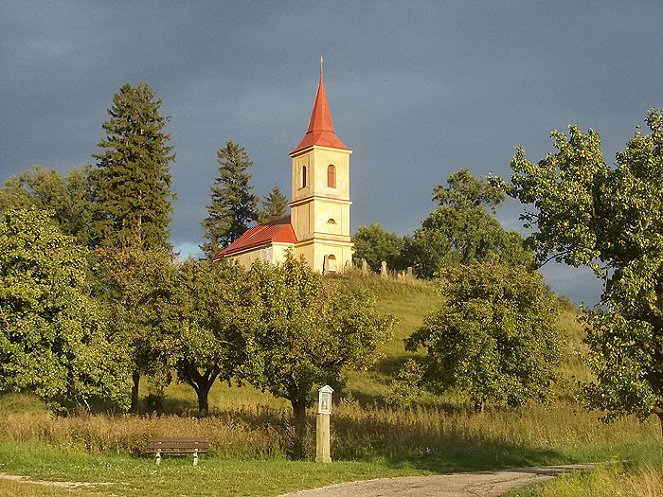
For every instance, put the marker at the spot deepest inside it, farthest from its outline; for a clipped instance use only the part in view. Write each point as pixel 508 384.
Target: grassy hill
pixel 250 430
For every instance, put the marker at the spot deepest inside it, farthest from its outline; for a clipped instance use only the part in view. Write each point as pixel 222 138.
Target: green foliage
pixel 135 285
pixel 52 334
pixel 493 337
pixel 375 245
pixel 233 206
pixel 134 180
pixel 462 228
pixel 304 334
pixel 274 206
pixel 207 337
pixel 612 221
pixel 69 197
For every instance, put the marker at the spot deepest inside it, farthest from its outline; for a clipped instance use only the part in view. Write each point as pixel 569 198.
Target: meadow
pixel 250 433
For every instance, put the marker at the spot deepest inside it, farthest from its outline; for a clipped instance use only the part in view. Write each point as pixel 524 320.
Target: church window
pixel 331 176
pixel 303 182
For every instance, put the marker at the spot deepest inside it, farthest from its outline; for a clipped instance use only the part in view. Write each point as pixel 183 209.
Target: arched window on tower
pixel 303 181
pixel 331 176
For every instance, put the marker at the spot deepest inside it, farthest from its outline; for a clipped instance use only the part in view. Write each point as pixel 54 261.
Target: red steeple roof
pixel 320 128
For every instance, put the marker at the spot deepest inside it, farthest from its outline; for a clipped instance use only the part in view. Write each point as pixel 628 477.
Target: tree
pixel 375 245
pixel 304 333
pixel 463 228
pixel 610 219
pixel 206 334
pixel 274 206
pixel 70 197
pixel 53 339
pixel 493 337
pixel 233 206
pixel 134 180
pixel 136 286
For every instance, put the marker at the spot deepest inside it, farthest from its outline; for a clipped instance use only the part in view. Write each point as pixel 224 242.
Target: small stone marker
pixel 383 269
pixel 410 274
pixel 322 425
pixel 364 267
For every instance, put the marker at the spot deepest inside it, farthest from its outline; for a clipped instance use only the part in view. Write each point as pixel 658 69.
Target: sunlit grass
pixel 250 431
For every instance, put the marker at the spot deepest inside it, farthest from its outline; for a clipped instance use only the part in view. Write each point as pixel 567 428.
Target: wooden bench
pixel 178 446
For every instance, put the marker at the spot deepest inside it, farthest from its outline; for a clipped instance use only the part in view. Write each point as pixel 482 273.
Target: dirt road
pixel 478 484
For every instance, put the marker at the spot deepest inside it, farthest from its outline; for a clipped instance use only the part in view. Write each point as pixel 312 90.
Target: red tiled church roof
pixel 320 128
pixel 277 231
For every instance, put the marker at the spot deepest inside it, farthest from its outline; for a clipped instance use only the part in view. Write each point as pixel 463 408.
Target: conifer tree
pixel 133 188
pixel 134 180
pixel 274 206
pixel 234 206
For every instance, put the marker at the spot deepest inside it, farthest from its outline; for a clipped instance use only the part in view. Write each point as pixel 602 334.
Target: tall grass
pixel 552 433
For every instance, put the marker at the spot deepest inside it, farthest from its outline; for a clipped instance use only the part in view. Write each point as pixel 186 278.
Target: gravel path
pixel 478 484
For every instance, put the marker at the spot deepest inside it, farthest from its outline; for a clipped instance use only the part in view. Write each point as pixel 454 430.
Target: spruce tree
pixel 133 187
pixel 134 179
pixel 234 206
pixel 274 206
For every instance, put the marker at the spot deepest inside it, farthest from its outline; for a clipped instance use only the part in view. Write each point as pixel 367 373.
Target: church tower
pixel 320 207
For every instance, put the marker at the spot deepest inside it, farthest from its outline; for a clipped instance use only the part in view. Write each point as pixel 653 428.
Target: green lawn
pixel 132 476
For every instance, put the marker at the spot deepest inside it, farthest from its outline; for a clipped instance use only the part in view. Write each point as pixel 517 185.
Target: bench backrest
pixel 175 445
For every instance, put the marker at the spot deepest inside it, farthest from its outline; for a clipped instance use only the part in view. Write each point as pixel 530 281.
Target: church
pixel 318 228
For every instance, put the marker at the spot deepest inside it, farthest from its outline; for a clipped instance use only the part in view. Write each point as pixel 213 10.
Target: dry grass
pixel 358 432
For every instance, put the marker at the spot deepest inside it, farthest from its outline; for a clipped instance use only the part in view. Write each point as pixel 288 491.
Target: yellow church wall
pixel 321 159
pixel 316 160
pixel 300 217
pixel 325 210
pixel 273 253
pixel 314 253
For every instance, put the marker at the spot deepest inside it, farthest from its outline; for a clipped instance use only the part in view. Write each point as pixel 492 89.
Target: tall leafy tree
pixel 205 330
pixel 53 337
pixel 234 206
pixel 70 197
pixel 136 287
pixel 134 179
pixel 493 337
pixel 463 228
pixel 375 245
pixel 610 219
pixel 304 333
pixel 274 206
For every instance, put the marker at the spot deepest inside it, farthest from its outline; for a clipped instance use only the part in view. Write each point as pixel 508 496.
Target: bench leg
pixel 158 457
pixel 195 457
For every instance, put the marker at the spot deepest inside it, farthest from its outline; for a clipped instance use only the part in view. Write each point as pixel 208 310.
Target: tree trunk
pixel 134 391
pixel 203 401
pixel 299 420
pixel 201 383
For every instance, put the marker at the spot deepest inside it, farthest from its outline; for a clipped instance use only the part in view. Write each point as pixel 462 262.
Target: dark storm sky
pixel 417 89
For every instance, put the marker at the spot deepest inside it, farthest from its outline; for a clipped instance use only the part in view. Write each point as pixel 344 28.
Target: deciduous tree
pixel 53 339
pixel 493 337
pixel 610 219
pixel 375 245
pixel 305 334
pixel 205 329
pixel 463 228
pixel 70 197
pixel 136 286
